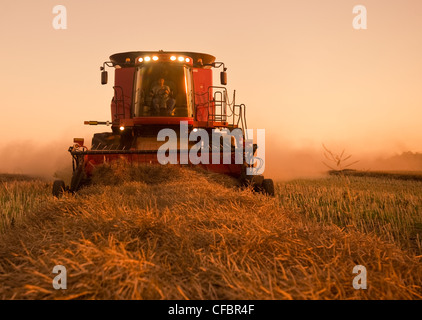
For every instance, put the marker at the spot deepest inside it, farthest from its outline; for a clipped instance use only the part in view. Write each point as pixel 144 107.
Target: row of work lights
pixel 156 58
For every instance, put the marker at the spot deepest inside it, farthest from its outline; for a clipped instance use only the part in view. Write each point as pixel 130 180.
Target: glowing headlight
pixel 181 59
pixel 147 58
pixel 155 58
pixel 172 58
pixel 187 59
pixel 122 128
pixel 195 130
pixel 140 59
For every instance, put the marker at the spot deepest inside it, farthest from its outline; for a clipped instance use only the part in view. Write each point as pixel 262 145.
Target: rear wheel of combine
pixel 268 187
pixel 58 188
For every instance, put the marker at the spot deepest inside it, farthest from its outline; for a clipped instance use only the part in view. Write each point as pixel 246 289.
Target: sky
pixel 306 75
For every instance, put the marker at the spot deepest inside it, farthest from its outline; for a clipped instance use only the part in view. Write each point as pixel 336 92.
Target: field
pixel 179 233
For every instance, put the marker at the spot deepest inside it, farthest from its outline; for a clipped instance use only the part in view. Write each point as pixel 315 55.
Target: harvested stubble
pixel 18 195
pixel 390 208
pixel 192 235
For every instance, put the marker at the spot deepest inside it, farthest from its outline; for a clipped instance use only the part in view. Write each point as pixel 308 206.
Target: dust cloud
pixel 37 159
pixel 284 162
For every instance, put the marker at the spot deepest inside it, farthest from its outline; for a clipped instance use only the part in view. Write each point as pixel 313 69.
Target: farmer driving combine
pixel 160 98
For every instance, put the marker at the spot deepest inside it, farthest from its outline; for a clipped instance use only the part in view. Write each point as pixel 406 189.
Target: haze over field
pixel 304 73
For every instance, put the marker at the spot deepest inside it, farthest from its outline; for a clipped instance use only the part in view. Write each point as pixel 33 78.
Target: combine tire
pixel 58 188
pixel 268 187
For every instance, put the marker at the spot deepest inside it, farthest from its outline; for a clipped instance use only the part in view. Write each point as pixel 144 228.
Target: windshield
pixel 163 90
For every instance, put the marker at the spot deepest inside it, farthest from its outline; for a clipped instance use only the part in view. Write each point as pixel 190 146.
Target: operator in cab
pixel 162 103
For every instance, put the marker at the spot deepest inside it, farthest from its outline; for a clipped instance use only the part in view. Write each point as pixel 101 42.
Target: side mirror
pixel 223 78
pixel 104 77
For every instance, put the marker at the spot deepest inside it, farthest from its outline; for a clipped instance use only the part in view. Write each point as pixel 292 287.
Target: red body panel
pixel 121 104
pixel 202 79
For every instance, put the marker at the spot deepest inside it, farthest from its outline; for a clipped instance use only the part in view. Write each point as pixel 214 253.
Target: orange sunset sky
pixel 305 74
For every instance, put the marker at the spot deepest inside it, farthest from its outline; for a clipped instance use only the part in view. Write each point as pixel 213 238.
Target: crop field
pixel 178 233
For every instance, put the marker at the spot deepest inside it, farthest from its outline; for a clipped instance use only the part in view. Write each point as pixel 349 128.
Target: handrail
pixel 220 100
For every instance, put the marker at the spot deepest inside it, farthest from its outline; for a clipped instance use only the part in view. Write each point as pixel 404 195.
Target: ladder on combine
pixel 119 102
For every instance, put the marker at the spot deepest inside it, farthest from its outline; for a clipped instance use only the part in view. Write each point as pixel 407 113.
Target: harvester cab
pixel 156 90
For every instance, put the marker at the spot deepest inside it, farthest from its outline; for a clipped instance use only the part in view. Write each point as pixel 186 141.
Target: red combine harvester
pixel 155 90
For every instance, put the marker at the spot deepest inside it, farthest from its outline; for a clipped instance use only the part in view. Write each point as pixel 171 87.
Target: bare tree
pixel 338 159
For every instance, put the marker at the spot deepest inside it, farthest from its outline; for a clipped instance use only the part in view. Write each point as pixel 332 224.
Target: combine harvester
pixel 157 90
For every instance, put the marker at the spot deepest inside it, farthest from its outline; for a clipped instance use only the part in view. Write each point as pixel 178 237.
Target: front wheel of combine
pixel 58 188
pixel 268 187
